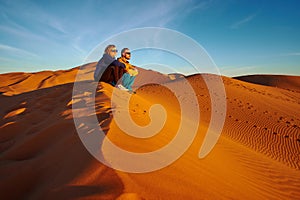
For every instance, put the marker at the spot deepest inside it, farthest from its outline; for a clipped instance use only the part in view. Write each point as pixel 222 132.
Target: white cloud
pixel 239 23
pixel 161 13
pixel 238 70
pixel 21 33
pixel 68 31
pixel 202 5
pixel 78 48
pixel 290 54
pixel 40 25
pixel 2 59
pixel 16 51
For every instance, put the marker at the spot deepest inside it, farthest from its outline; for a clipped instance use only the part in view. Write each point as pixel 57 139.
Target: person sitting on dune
pixel 110 68
pixel 131 71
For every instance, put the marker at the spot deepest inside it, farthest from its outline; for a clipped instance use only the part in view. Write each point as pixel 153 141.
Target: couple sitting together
pixel 119 73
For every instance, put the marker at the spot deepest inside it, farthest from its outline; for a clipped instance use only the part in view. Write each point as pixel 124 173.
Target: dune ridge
pixel 281 81
pixel 42 157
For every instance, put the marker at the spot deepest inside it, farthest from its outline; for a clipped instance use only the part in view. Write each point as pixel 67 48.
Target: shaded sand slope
pixel 19 82
pixel 281 81
pixel 16 83
pixel 42 157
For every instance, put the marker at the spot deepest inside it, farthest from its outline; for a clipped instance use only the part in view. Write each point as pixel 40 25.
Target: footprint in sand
pixel 295 126
pixel 280 118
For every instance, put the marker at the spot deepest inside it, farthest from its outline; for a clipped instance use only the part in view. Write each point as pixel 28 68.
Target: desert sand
pixel 42 156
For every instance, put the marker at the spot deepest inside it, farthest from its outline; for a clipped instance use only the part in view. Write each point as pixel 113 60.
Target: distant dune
pixel 42 156
pixel 174 76
pixel 19 82
pixel 280 81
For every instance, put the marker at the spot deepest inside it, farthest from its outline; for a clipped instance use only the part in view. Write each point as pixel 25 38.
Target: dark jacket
pixel 105 62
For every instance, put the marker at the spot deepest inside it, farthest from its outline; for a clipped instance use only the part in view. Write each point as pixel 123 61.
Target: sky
pixel 240 36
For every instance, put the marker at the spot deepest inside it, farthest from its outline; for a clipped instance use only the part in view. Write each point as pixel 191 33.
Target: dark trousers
pixel 112 74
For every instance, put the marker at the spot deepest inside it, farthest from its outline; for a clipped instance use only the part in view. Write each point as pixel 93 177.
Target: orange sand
pixel 42 157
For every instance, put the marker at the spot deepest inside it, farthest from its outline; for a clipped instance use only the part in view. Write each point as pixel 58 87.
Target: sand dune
pixel 280 81
pixel 42 156
pixel 19 82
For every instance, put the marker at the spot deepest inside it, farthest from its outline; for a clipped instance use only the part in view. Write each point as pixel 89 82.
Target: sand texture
pixel 42 156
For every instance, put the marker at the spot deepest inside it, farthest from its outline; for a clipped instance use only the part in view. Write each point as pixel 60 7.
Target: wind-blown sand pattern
pixel 42 157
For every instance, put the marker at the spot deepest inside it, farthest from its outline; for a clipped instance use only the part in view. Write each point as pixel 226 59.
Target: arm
pixel 118 64
pixel 133 67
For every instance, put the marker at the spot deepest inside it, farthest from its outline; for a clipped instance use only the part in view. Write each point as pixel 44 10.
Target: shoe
pixel 121 87
pixel 131 92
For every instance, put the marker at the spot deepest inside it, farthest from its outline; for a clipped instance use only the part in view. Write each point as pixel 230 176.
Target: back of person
pixel 102 64
pixel 108 69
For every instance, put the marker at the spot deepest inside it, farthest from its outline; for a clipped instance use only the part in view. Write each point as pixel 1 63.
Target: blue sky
pixel 242 37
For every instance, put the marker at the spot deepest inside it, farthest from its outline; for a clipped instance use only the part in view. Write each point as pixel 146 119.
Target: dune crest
pixel 280 81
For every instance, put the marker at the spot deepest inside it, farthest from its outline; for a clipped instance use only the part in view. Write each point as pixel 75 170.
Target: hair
pixel 123 50
pixel 109 47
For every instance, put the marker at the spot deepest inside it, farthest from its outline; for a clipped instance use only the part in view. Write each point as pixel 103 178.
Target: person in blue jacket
pixel 108 69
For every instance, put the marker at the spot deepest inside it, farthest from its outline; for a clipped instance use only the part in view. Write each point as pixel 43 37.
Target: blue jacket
pixel 103 63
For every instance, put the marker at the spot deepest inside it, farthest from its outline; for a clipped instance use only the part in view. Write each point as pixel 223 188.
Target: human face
pixel 113 52
pixel 127 54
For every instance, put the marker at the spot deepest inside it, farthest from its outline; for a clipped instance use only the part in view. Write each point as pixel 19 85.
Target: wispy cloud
pixel 21 33
pixel 16 51
pixel 178 10
pixel 163 13
pixel 36 14
pixel 291 54
pixel 160 14
pixel 202 5
pixel 2 59
pixel 238 70
pixel 239 23
pixel 277 55
pixel 36 23
pixel 76 45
